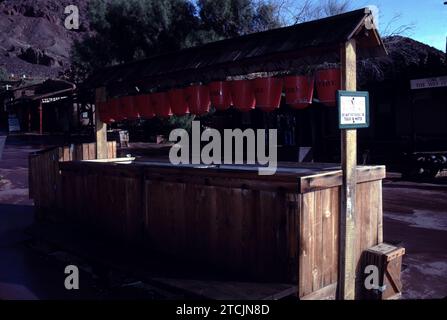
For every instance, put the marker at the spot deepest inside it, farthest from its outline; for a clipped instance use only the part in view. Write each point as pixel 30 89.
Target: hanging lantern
pixel 198 98
pixel 268 93
pixel 128 108
pixel 299 91
pixel 177 100
pixel 243 95
pixel 104 112
pixel 160 103
pixel 328 82
pixel 144 106
pixel 220 95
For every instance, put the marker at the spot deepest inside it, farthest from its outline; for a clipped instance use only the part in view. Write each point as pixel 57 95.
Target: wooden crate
pixel 388 259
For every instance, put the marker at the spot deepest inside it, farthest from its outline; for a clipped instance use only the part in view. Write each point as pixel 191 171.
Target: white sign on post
pixel 353 109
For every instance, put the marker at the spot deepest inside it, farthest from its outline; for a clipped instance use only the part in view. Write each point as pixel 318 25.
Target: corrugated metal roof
pixel 254 51
pixel 47 89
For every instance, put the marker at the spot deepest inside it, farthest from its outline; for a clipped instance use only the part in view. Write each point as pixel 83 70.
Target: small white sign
pixel 13 124
pixel 54 99
pixel 427 83
pixel 353 110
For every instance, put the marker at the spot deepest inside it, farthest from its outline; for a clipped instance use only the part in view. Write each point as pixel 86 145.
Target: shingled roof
pixel 279 49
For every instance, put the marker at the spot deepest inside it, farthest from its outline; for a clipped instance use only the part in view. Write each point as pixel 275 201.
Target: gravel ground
pixel 415 215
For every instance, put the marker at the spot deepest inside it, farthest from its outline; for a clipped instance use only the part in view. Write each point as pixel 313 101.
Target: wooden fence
pixel 282 228
pixel 44 177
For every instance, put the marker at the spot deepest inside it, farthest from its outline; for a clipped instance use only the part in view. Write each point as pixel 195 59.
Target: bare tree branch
pixel 302 11
pixel 390 30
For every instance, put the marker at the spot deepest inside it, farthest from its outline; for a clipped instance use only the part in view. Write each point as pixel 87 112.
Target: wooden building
pixel 46 107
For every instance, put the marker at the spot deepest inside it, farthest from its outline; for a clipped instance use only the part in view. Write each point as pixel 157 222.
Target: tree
pixel 231 18
pixel 267 17
pixel 310 10
pixel 333 7
pixel 125 30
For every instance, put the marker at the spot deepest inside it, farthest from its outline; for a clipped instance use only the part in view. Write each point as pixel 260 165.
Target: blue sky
pixel 429 18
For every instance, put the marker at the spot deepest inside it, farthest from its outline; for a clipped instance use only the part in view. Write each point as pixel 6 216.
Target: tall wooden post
pixel 29 118
pixel 347 263
pixel 100 127
pixel 40 108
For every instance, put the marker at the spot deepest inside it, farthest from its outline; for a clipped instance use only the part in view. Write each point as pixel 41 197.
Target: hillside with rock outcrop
pixel 33 39
pixel 34 42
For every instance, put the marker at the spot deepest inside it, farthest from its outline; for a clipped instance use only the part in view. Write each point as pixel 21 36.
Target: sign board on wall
pixel 13 123
pixel 353 109
pixel 54 99
pixel 427 83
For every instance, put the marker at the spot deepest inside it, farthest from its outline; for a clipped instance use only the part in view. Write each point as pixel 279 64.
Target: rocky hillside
pixel 35 43
pixel 33 39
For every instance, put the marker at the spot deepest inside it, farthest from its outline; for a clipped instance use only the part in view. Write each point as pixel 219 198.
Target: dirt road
pixel 415 215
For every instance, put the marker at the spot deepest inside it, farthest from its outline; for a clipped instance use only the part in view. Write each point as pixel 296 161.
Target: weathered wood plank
pixel 219 290
pixel 347 264
pixel 317 234
pixel 100 127
pixel 293 235
pixel 330 179
pixel 379 200
pixel 335 209
pixel 326 293
pixel 328 237
pixel 306 244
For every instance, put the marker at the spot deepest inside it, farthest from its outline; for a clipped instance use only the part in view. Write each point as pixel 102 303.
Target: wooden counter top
pixel 299 177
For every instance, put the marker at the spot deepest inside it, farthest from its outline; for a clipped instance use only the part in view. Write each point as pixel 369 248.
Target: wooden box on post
pixel 388 260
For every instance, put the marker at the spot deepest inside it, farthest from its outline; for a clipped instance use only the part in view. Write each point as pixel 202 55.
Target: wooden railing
pixel 44 176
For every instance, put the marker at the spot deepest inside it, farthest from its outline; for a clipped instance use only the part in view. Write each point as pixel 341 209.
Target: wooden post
pixel 29 118
pixel 100 127
pixel 40 117
pixel 347 263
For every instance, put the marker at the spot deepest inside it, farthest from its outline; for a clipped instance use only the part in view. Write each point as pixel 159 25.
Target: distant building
pixel 46 107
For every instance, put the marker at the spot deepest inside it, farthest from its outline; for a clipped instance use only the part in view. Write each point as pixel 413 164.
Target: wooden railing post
pixel 100 127
pixel 40 108
pixel 347 254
